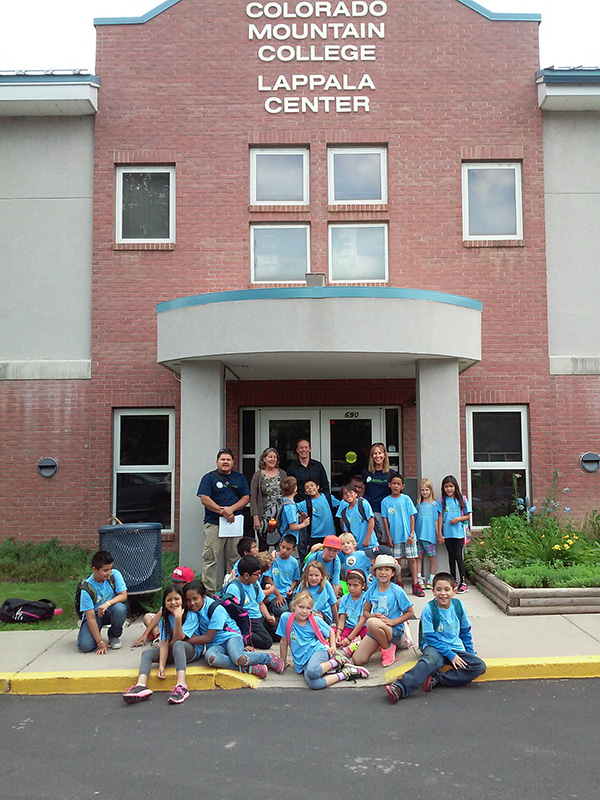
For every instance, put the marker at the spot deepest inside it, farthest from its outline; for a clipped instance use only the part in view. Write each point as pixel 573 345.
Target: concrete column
pixel 438 426
pixel 202 436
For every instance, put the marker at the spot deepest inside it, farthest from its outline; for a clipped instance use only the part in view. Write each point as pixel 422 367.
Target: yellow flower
pixel 556 547
pixel 570 541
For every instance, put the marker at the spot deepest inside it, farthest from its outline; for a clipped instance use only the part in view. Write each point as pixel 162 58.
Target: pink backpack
pixel 313 625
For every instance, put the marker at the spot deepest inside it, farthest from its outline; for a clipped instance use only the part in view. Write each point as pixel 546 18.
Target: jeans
pixel 114 616
pixel 313 674
pixel 431 662
pixel 225 656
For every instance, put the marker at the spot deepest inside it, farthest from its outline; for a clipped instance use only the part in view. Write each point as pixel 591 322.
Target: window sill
pixel 143 246
pixel 493 243
pixel 358 207
pixel 274 209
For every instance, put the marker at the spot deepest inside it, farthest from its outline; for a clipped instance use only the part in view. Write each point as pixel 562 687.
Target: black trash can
pixel 137 551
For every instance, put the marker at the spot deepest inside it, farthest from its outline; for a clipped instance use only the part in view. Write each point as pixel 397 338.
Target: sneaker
pixel 393 693
pixel 429 584
pixel 418 590
pixel 258 669
pixel 276 664
pixel 136 693
pixel 352 673
pixel 431 682
pixel 462 588
pixel 388 656
pixel 179 694
pixel 350 648
pixel 421 582
pixel 340 659
pixel 115 643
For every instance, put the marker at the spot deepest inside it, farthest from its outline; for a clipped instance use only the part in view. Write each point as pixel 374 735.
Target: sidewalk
pixel 544 646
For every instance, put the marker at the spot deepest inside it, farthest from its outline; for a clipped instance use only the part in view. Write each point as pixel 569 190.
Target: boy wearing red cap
pixel 330 559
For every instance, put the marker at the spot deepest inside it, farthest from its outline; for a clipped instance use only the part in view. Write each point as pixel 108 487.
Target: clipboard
pixel 231 529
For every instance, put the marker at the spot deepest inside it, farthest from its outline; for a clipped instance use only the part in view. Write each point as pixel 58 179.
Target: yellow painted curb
pixel 116 681
pixel 518 669
pixel 5 680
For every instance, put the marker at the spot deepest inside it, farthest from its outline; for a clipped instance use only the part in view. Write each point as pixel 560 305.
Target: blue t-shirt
pixel 392 603
pixel 358 525
pixel 352 609
pixel 377 486
pixel 452 511
pixel 321 521
pixel 303 640
pixel 427 514
pixel 189 627
pixel 104 592
pixel 398 511
pixel 356 560
pixel 284 572
pixel 289 516
pixel 333 568
pixel 225 490
pixel 250 598
pixel 219 621
pixel 452 635
pixel 324 599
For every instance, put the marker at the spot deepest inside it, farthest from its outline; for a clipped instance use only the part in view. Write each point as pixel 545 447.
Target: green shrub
pixel 538 576
pixel 42 561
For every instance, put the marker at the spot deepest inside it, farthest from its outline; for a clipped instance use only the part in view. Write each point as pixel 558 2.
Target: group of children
pixel 345 605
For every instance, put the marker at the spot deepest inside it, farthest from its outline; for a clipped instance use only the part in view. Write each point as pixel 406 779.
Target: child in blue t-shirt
pixel 285 575
pixel 248 592
pixel 455 511
pixel 328 554
pixel 321 509
pixel 427 532
pixel 398 513
pixel 291 521
pixel 387 609
pixel 446 632
pixel 176 627
pixel 357 517
pixel 351 622
pixel 221 636
pixel 351 557
pixel 312 643
pixel 314 580
pixel 102 604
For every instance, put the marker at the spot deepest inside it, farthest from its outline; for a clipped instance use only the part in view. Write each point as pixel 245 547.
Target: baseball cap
pixel 182 574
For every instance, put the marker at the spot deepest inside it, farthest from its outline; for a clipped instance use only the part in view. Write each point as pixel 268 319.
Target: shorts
pixel 427 548
pixel 348 630
pixel 405 550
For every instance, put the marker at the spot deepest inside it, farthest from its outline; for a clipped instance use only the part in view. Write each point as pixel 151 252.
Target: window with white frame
pixel 144 463
pixel 279 253
pixel 497 457
pixel 279 176
pixel 145 204
pixel 358 253
pixel 492 202
pixel 357 175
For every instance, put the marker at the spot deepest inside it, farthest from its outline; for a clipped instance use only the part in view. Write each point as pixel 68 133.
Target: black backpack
pixel 17 610
pixel 361 511
pixel 235 609
pixel 84 586
pixel 336 520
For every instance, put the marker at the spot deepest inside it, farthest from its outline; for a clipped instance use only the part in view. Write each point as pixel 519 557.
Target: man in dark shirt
pixel 306 468
pixel 224 494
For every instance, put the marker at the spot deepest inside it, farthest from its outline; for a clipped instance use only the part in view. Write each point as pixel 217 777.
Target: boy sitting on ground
pixel 247 590
pixel 285 575
pixel 446 633
pixel 328 555
pixel 102 602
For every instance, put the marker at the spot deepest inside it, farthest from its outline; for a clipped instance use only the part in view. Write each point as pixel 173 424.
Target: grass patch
pixel 540 576
pixel 70 567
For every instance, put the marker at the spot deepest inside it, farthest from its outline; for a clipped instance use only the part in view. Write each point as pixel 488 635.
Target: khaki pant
pixel 214 546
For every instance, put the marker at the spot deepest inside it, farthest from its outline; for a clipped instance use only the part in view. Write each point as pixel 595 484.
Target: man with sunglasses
pixel 224 494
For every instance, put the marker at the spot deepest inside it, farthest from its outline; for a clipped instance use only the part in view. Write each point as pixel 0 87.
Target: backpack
pixel 235 609
pixel 17 610
pixel 84 586
pixel 435 617
pixel 313 624
pixel 361 511
pixel 274 535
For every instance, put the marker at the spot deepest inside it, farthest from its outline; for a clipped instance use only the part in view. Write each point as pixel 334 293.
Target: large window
pixel 497 453
pixel 358 253
pixel 357 175
pixel 279 253
pixel 492 205
pixel 145 204
pixel 144 453
pixel 279 177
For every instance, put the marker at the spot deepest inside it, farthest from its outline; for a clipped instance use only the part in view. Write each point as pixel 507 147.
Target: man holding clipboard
pixel 224 493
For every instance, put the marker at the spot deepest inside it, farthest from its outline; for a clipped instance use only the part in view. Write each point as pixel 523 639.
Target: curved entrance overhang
pixel 319 333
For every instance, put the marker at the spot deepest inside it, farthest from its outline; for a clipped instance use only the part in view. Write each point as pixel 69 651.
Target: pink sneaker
pixel 258 669
pixel 388 656
pixel 276 664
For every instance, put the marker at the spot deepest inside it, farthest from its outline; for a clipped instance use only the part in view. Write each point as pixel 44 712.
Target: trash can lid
pixel 132 526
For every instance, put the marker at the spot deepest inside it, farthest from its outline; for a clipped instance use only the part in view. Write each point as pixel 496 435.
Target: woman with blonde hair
pixel 377 477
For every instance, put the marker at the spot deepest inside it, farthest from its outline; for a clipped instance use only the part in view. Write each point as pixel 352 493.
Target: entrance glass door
pixel 346 438
pixel 282 427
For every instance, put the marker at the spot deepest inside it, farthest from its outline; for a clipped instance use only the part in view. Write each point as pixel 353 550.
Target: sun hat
pixel 182 574
pixel 385 561
pixel 332 541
